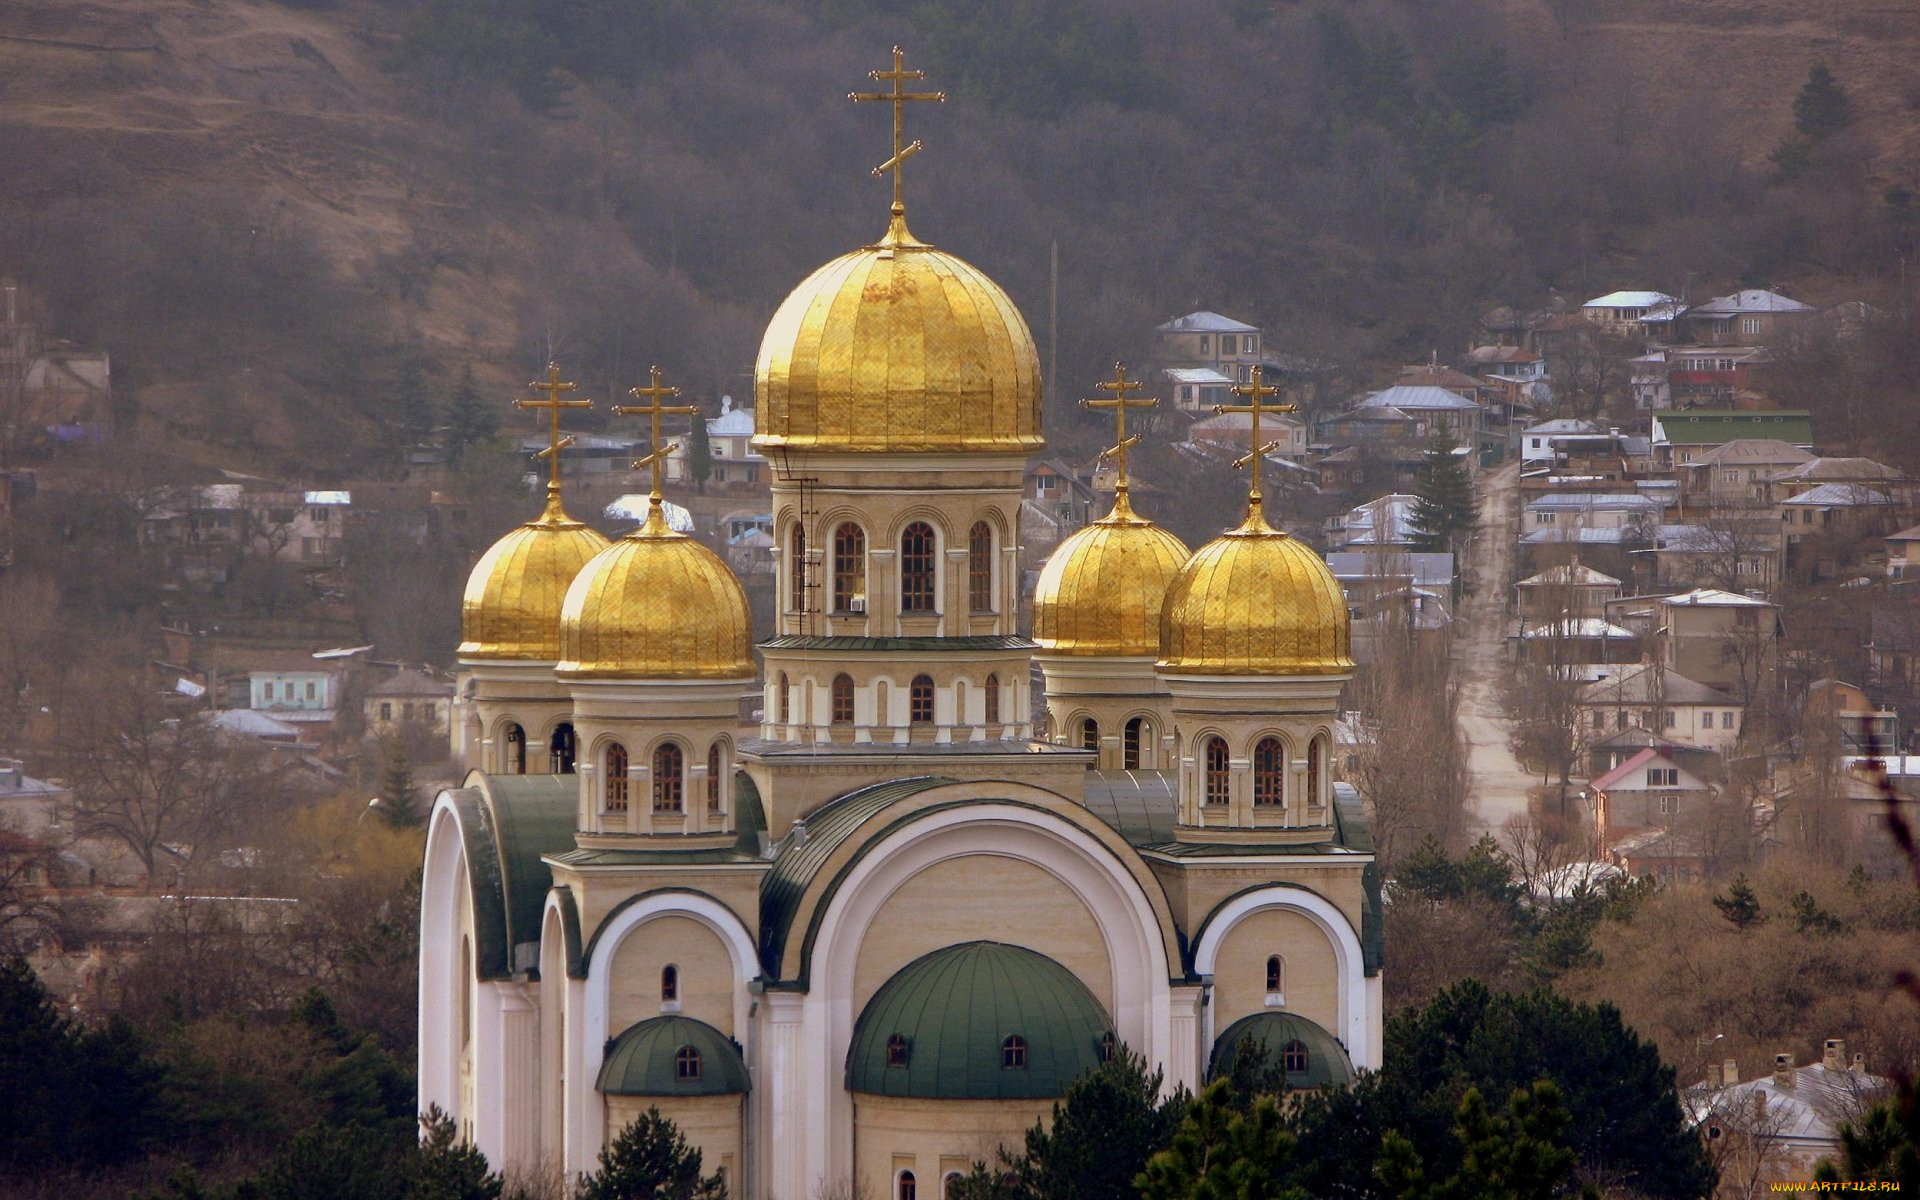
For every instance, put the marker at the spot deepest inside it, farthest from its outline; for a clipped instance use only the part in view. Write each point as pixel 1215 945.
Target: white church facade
pixel 871 937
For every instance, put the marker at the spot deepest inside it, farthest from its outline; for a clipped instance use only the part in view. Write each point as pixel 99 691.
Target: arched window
pixel 980 567
pixel 1130 741
pixel 560 749
pixel 516 750
pixel 797 569
pixel 849 568
pixel 905 1188
pixel 897 1051
pixel 920 700
pixel 669 778
pixel 1089 734
pixel 842 700
pixel 946 1184
pixel 1293 1058
pixel 686 1063
pixel 1269 771
pixel 992 688
pixel 1108 1044
pixel 669 983
pixel 916 568
pixel 613 784
pixel 1216 770
pixel 1013 1053
pixel 1276 974
pixel 783 698
pixel 1316 767
pixel 716 771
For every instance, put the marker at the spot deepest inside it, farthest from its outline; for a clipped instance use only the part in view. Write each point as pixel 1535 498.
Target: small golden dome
pixel 1254 601
pixel 655 605
pixel 511 608
pixel 1101 592
pixel 898 347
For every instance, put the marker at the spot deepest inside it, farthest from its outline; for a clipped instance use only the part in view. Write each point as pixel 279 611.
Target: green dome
pixel 1327 1062
pixel 954 1009
pixel 645 1060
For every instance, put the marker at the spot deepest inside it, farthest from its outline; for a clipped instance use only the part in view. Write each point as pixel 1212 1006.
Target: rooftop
pixel 1711 427
pixel 1413 397
pixel 1648 684
pixel 1565 425
pixel 1201 375
pixel 1595 502
pixel 1568 575
pixel 1837 495
pixel 1205 321
pixel 1629 299
pixel 1713 598
pixel 1752 300
pixel 1840 470
pixel 1753 450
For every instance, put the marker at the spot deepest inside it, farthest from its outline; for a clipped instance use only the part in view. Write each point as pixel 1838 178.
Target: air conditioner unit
pixel 858 604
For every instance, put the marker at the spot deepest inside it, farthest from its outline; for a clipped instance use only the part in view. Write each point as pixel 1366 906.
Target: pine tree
pixel 651 1160
pixel 1740 905
pixel 470 419
pixel 399 794
pixel 448 1167
pixel 1218 1151
pixel 1823 107
pixel 1443 508
pixel 699 453
pixel 1516 1157
pixel 413 407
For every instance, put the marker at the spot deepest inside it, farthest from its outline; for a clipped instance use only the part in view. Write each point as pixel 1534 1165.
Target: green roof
pixel 1327 1062
pixel 510 822
pixel 956 1007
pixel 1714 427
pixel 645 1061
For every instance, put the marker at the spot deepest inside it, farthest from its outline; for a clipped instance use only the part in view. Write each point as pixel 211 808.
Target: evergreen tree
pixel 1516 1157
pixel 399 795
pixel 1219 1152
pixel 1823 107
pixel 699 453
pixel 1883 1146
pixel 447 1167
pixel 470 419
pixel 1740 905
pixel 413 407
pixel 651 1160
pixel 1443 510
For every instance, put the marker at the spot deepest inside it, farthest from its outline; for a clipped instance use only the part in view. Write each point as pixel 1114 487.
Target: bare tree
pixel 1414 771
pixel 1590 373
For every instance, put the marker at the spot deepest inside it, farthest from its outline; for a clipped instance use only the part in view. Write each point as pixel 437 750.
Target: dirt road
pixel 1499 784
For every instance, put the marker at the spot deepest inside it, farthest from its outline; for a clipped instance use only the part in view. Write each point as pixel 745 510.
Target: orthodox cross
pixel 556 441
pixel 1254 390
pixel 654 410
pixel 1120 385
pixel 898 97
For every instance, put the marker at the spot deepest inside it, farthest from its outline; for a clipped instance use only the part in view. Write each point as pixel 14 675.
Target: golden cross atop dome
pixel 899 98
pixel 654 410
pixel 1254 390
pixel 1120 385
pixel 556 441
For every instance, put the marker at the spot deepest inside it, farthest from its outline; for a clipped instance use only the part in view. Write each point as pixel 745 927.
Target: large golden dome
pixel 898 347
pixel 1100 593
pixel 1254 601
pixel 655 605
pixel 511 608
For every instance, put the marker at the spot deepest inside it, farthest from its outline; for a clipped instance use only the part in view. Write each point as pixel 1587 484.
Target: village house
pixel 408 699
pixel 735 464
pixel 1207 339
pixel 1903 554
pixel 1738 474
pixel 1590 510
pixel 1197 389
pixel 1752 317
pixel 1726 641
pixel 1665 703
pixel 1780 1126
pixel 1435 411
pixel 1854 472
pixel 1571 589
pixel 1235 428
pixel 1575 644
pixel 1649 792
pixel 1381 526
pixel 1519 371
pixel 1863 727
pixel 1681 437
pixel 1740 553
pixel 1621 313
pixel 1715 375
pixel 1833 513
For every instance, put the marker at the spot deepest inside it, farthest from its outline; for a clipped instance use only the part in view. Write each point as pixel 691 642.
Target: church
pixel 857 940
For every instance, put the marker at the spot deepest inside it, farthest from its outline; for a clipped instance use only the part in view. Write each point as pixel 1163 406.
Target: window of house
pixel 1663 777
pixel 797 569
pixel 1269 772
pixel 1599 719
pixel 1276 974
pixel 849 568
pixel 613 785
pixel 1130 739
pixel 905 1188
pixel 516 750
pixel 980 567
pixel 920 700
pixel 310 689
pixel 841 705
pixel 1750 325
pixel 1668 804
pixel 1671 719
pixel 1293 1058
pixel 897 1051
pixel 716 764
pixel 386 711
pixel 916 568
pixel 1206 344
pixel 1089 734
pixel 560 749
pixel 1216 770
pixel 406 710
pixel 1229 344
pixel 669 983
pixel 669 778
pixel 686 1063
pixel 1013 1052
pixel 992 689
pixel 1543 518
pixel 1726 721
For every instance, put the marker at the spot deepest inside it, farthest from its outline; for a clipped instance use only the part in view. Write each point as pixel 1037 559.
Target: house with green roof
pixel 1680 437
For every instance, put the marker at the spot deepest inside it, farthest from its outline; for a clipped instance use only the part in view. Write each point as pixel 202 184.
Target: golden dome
pixel 511 608
pixel 655 605
pixel 898 347
pixel 1101 591
pixel 1254 601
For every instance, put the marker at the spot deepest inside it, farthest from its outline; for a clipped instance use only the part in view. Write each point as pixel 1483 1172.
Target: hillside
pixel 261 208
